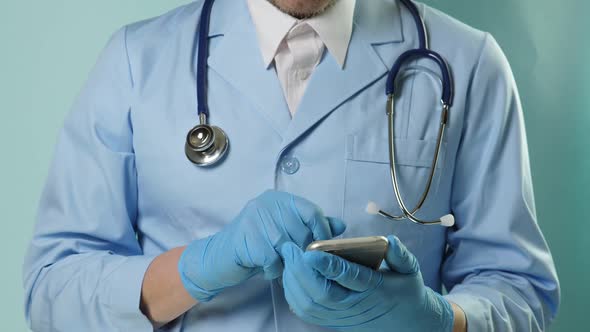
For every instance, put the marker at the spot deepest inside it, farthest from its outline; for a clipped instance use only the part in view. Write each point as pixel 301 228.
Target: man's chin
pixel 302 9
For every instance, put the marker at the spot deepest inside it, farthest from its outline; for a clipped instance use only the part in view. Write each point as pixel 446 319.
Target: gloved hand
pixel 250 243
pixel 326 290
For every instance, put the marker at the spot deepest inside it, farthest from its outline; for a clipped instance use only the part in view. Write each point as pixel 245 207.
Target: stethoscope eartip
pixel 447 220
pixel 372 208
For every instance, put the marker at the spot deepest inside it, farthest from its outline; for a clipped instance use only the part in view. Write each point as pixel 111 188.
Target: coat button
pixel 290 165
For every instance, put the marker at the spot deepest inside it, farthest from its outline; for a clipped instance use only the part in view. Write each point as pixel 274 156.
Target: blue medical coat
pixel 121 191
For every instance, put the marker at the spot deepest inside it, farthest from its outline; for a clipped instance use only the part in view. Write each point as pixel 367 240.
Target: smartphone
pixel 368 251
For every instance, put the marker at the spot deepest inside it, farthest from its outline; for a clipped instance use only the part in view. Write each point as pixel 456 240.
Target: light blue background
pixel 48 47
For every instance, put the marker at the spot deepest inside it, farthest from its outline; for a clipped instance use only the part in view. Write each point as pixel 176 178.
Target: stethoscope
pixel 206 145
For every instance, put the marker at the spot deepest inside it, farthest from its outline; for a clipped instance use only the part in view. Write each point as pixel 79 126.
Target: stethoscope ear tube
pixel 447 80
pixel 447 101
pixel 447 220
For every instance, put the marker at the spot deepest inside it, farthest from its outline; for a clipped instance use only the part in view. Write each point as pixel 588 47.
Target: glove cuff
pixel 438 306
pixel 190 267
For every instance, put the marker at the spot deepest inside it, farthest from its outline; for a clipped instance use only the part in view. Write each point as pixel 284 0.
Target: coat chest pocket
pixel 367 178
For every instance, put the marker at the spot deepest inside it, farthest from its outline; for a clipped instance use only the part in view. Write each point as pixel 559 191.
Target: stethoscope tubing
pixel 202 55
pixel 446 99
pixel 407 214
pixel 207 145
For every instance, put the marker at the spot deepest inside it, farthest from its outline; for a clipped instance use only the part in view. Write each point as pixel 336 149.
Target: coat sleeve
pixel 84 267
pixel 498 267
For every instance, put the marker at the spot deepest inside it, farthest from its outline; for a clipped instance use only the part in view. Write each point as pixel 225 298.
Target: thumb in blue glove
pixel 326 290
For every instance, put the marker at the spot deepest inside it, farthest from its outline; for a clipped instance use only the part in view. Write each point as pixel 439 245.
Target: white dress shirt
pixel 296 46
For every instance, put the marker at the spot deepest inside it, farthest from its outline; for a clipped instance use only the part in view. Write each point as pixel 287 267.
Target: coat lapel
pixel 330 85
pixel 237 58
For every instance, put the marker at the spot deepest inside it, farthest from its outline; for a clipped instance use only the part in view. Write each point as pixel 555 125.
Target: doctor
pixel 132 236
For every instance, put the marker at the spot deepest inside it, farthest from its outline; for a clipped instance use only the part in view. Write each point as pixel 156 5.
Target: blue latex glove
pixel 326 290
pixel 251 242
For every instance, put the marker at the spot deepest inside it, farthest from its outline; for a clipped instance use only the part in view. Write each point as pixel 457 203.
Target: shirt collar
pixel 334 27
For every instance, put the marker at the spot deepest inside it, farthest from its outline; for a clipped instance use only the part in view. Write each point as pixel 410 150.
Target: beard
pixel 302 9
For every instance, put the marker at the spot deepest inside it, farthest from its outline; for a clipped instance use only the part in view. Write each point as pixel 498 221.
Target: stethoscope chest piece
pixel 206 145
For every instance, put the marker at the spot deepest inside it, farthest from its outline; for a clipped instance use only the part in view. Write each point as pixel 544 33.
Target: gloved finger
pixel 337 226
pixel 399 258
pixel 258 252
pixel 277 222
pixel 350 275
pixel 312 217
pixel 273 268
pixel 299 301
pixel 305 307
pixel 291 225
pixel 321 290
pixel 296 302
pixel 295 295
